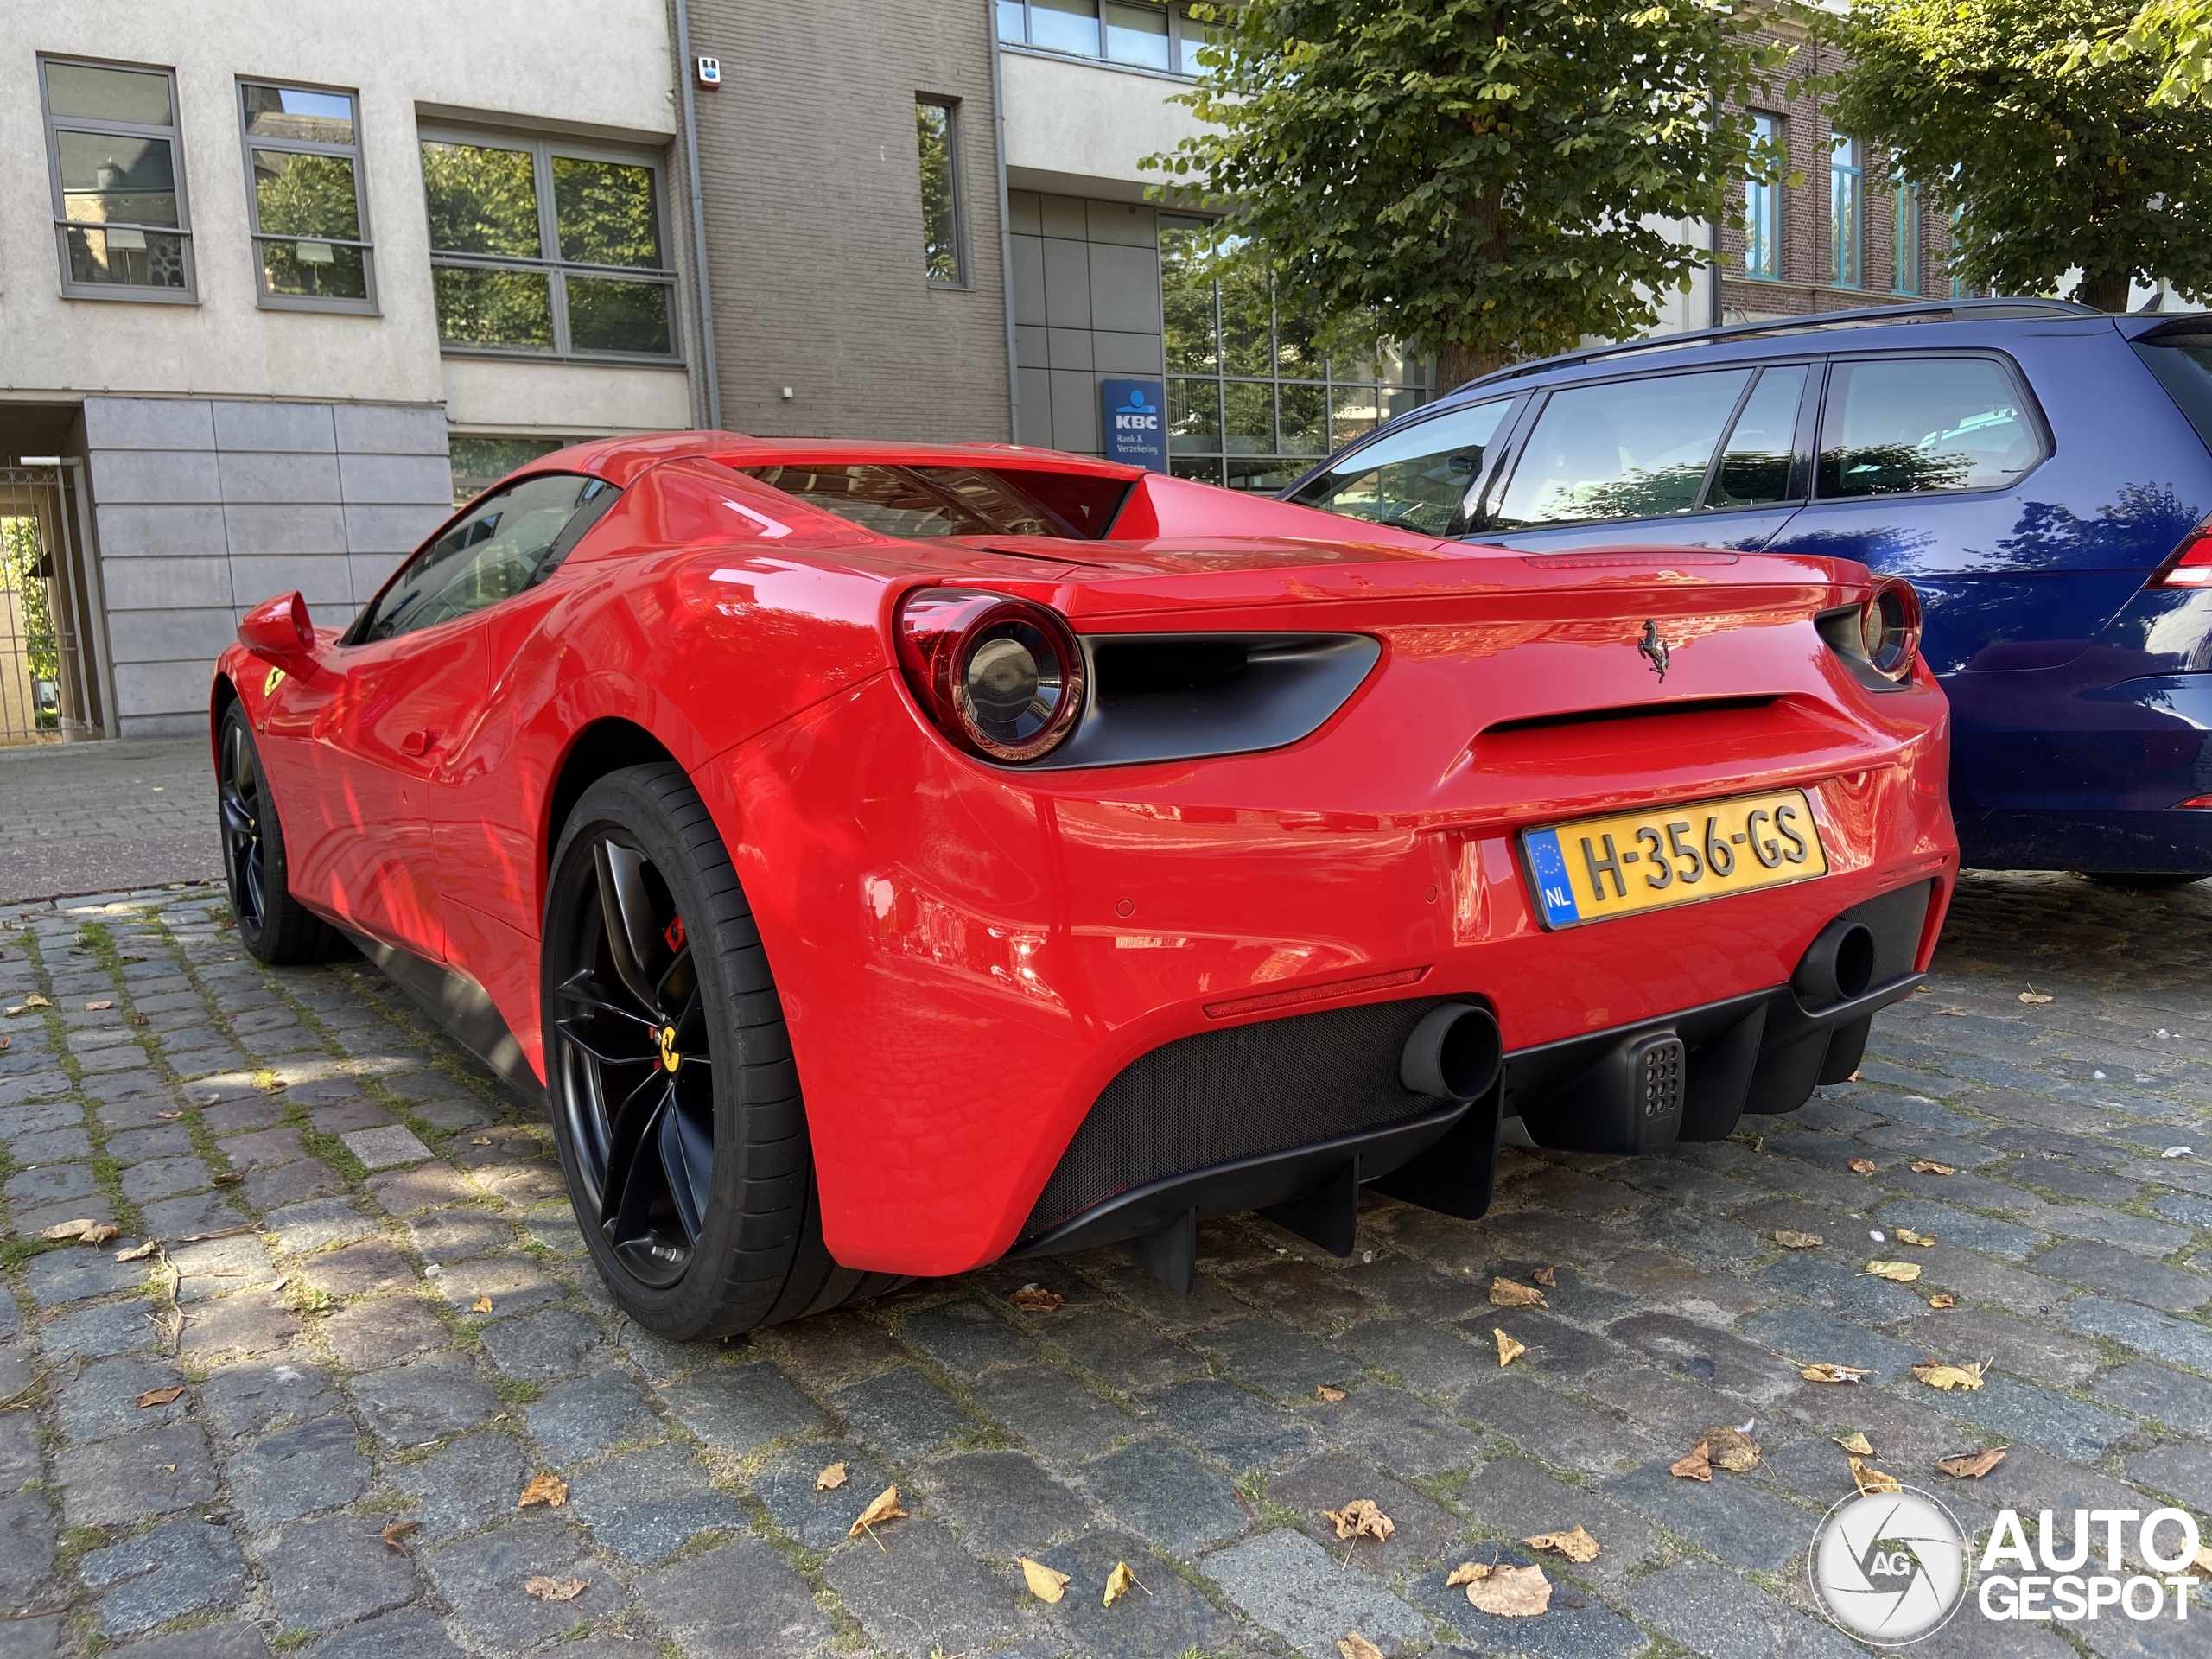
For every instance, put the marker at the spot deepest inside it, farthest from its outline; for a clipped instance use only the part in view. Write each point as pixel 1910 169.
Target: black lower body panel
pixel 464 1007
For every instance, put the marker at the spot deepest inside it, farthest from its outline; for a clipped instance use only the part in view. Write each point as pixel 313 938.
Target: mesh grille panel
pixel 1222 1094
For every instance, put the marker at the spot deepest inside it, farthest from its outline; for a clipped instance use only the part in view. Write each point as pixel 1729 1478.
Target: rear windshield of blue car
pixel 2183 363
pixel 913 502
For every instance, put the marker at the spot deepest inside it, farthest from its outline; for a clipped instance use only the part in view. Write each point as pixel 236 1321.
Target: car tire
pixel 676 1100
pixel 274 926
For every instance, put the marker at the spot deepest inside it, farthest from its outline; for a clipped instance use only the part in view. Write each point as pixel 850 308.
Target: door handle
pixel 418 742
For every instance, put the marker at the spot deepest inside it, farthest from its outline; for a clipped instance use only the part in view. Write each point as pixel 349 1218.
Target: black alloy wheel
pixel 272 925
pixel 638 1068
pixel 675 1096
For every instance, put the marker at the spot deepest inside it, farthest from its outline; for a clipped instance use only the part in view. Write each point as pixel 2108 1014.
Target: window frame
pixel 1179 19
pixel 1510 426
pixel 188 293
pixel 1763 214
pixel 1847 230
pixel 1904 236
pixel 364 306
pixel 2023 391
pixel 950 105
pixel 543 148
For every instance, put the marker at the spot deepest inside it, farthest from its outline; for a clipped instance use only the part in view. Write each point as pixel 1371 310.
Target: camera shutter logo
pixel 1890 1568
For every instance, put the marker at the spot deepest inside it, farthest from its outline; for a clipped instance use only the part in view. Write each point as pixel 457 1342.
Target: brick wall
pixel 814 219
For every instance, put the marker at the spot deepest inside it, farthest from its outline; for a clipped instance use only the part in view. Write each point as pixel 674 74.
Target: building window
pixel 1846 213
pixel 937 134
pixel 118 175
pixel 309 220
pixel 552 252
pixel 1167 38
pixel 479 462
pixel 1905 267
pixel 1763 207
pixel 1254 396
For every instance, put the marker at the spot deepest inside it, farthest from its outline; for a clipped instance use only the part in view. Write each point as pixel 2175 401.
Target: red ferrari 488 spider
pixel 886 859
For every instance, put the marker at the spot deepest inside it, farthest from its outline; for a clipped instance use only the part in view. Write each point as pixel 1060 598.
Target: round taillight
pixel 1001 677
pixel 1889 627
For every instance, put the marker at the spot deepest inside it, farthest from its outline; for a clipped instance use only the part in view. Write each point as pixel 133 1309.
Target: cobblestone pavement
pixel 388 1329
pixel 78 817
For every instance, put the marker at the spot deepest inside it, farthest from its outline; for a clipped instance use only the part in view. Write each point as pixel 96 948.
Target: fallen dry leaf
pixel 1731 1449
pixel 1467 1573
pixel 140 1019
pixel 1906 1235
pixel 1971 1465
pixel 482 1304
pixel 1861 1166
pixel 1118 1583
pixel 1361 1518
pixel 1046 1583
pixel 1035 1298
pixel 1506 1293
pixel 1696 1467
pixel 2034 999
pixel 1855 1443
pixel 1930 1166
pixel 1826 1372
pixel 1547 1277
pixel 1955 1014
pixel 139 1252
pixel 1944 1300
pixel 158 1397
pixel 1577 1545
pixel 101 1006
pixel 1874 1480
pixel 168 1113
pixel 1355 1646
pixel 93 1232
pixel 883 1507
pixel 547 1489
pixel 1328 1393
pixel 551 1589
pixel 1512 1592
pixel 1790 1241
pixel 1947 1378
pixel 34 1001
pixel 831 1478
pixel 481 1141
pixel 1899 1273
pixel 229 1178
pixel 396 1532
pixel 1508 1349
pixel 2205 1560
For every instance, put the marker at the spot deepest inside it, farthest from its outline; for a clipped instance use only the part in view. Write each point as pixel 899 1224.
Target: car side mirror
pixel 278 628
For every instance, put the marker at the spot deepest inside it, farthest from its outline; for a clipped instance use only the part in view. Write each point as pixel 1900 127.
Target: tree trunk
pixel 1456 365
pixel 2104 289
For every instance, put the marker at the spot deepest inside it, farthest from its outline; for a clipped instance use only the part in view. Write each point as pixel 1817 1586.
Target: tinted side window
pixel 1415 479
pixel 1889 427
pixel 1627 450
pixel 508 540
pixel 1754 466
pixel 912 502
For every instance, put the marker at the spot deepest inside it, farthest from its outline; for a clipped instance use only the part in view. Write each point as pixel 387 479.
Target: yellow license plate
pixel 1599 868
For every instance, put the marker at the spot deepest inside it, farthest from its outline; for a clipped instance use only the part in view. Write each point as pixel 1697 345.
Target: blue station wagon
pixel 2041 473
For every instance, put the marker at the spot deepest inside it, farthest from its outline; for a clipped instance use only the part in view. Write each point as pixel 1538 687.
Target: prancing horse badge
pixel 1653 648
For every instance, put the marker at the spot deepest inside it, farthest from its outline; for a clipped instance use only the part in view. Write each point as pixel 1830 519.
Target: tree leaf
pixel 1046 1583
pixel 1118 1583
pixel 158 1397
pixel 1793 1241
pixel 1467 1573
pixel 1828 1372
pixel 546 1588
pixel 1355 1646
pixel 1856 1444
pixel 395 1534
pixel 547 1489
pixel 1861 1166
pixel 1361 1518
pixel 482 1304
pixel 139 1252
pixel 1906 1235
pixel 1944 1300
pixel 1512 1592
pixel 1578 1546
pixel 100 1006
pixel 1731 1449
pixel 883 1507
pixel 34 1001
pixel 2034 999
pixel 1901 1273
pixel 1035 1298
pixel 1507 1292
pixel 1547 1277
pixel 831 1478
pixel 1971 1465
pixel 1947 1378
pixel 91 1232
pixel 1508 1349
pixel 1696 1467
pixel 1930 1166
pixel 1874 1480
pixel 1328 1392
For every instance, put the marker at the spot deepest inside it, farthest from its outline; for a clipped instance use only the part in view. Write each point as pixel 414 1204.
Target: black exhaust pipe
pixel 1838 966
pixel 1453 1054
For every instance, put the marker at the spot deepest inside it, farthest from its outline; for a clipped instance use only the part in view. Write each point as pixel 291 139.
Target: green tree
pixel 2056 160
pixel 2174 35
pixel 1482 174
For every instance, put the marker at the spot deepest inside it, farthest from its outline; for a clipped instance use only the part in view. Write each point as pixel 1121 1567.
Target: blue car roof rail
pixel 1994 310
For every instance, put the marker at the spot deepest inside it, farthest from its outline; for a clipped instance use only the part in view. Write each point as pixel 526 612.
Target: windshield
pixel 916 502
